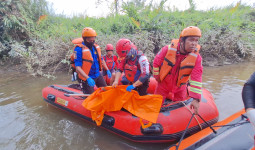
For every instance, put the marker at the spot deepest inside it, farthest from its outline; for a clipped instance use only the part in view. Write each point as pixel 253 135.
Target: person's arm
pixel 196 84
pixel 109 74
pixel 78 62
pixel 158 61
pixel 116 81
pixel 145 71
pixel 248 93
pixel 248 96
pixel 116 61
pixel 118 72
pixel 104 65
pixel 81 72
pixel 196 80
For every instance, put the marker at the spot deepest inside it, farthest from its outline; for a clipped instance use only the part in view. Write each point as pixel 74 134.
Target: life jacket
pixel 186 65
pixel 73 55
pixel 87 59
pixel 109 62
pixel 130 70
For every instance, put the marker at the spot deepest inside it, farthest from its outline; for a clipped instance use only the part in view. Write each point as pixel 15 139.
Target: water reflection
pixel 27 122
pixel 226 83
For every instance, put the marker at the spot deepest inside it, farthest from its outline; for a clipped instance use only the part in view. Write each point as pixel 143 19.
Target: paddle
pixel 81 94
pixel 68 95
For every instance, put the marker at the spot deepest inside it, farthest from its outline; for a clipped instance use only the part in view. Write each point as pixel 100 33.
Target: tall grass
pixel 42 39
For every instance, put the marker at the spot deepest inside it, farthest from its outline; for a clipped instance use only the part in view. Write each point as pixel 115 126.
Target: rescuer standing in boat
pixel 178 64
pixel 111 61
pixel 135 65
pixel 248 95
pixel 88 62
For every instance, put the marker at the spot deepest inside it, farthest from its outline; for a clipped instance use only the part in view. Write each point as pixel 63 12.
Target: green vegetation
pixel 36 37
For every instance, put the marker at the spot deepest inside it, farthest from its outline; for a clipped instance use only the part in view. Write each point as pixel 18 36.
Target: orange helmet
pixel 109 47
pixel 88 32
pixel 123 47
pixel 191 31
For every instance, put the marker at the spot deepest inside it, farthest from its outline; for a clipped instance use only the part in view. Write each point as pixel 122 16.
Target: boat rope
pixel 236 124
pixel 193 116
pixel 207 123
pixel 192 113
pixel 179 143
pixel 143 125
pixel 233 125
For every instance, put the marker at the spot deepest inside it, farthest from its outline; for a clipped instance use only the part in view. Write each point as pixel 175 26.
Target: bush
pixel 42 39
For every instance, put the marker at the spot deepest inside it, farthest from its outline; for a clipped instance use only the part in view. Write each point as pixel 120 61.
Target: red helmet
pixel 123 46
pixel 109 47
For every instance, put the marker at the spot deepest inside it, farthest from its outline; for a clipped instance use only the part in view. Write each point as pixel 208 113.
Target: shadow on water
pixel 27 122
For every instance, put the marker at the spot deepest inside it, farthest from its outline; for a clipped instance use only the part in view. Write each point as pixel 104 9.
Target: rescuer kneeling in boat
pixel 88 62
pixel 111 61
pixel 135 65
pixel 176 63
pixel 248 96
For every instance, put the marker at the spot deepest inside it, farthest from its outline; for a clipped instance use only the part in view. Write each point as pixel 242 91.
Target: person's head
pixel 125 47
pixel 89 36
pixel 109 49
pixel 189 39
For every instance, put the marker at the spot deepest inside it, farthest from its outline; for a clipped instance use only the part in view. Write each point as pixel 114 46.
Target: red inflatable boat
pixel 171 123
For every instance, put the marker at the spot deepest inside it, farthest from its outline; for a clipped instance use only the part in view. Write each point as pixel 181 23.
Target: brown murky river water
pixel 27 122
